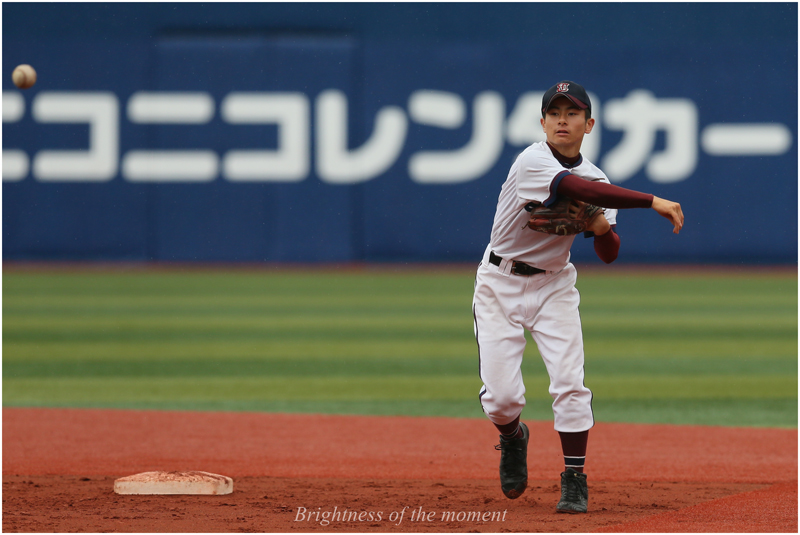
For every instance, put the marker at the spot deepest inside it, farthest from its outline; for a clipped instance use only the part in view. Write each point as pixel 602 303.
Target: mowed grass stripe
pixel 222 322
pixel 611 350
pixel 309 285
pixel 260 301
pixel 227 365
pixel 342 325
pixel 281 319
pixel 114 390
pixel 265 350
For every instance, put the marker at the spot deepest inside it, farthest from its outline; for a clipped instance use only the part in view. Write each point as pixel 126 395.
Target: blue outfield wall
pixel 332 132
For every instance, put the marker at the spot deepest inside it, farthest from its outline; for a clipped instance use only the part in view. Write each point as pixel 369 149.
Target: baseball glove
pixel 565 217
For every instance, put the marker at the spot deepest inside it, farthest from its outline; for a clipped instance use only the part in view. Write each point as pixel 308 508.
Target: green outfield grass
pixel 684 348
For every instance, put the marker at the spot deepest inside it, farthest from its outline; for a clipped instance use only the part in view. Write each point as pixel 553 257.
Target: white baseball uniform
pixel 546 304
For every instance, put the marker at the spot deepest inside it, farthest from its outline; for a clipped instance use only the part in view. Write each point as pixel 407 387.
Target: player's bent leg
pixel 501 343
pixel 498 309
pixel 503 398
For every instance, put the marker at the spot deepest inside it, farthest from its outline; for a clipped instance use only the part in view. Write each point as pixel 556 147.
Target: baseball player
pixel 526 282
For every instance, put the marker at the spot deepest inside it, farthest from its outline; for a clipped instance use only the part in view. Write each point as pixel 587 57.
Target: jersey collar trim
pixel 569 163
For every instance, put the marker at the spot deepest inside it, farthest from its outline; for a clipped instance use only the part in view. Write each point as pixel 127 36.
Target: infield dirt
pixel 358 473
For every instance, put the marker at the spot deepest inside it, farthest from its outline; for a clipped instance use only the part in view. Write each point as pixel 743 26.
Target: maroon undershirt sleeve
pixel 602 194
pixel 607 246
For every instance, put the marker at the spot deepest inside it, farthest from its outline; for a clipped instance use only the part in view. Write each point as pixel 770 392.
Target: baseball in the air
pixel 24 76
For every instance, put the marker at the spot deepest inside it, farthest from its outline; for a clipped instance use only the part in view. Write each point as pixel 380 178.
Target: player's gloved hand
pixel 599 225
pixel 565 217
pixel 670 210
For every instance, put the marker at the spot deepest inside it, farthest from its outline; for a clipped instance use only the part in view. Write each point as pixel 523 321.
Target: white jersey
pixel 534 176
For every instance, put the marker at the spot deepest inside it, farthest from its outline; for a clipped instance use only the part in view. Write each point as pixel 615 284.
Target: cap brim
pixel 574 100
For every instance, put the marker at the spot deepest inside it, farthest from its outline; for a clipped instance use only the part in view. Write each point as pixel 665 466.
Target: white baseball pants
pixel 546 305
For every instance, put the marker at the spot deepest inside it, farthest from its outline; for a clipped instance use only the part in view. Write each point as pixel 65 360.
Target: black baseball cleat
pixel 574 493
pixel 514 464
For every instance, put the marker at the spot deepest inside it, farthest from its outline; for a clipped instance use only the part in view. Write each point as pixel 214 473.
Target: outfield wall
pixel 376 132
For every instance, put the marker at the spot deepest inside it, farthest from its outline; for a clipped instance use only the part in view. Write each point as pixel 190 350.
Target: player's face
pixel 565 125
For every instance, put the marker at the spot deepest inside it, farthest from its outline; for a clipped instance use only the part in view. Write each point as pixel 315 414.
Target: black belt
pixel 517 268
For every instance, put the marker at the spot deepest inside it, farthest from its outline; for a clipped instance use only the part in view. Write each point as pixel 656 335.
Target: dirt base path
pixel 357 473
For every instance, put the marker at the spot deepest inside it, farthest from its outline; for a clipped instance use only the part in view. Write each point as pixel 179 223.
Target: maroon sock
pixel 573 445
pixel 510 430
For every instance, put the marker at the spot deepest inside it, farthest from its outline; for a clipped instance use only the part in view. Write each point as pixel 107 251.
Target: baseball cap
pixel 575 92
